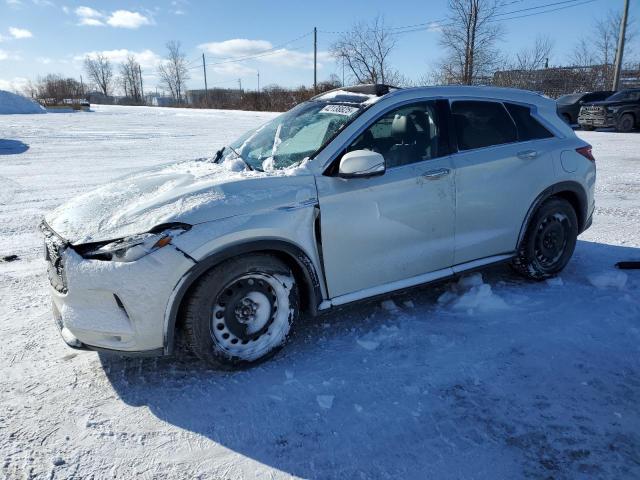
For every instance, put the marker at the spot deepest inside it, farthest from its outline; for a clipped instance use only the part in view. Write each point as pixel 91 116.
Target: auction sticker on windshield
pixel 339 109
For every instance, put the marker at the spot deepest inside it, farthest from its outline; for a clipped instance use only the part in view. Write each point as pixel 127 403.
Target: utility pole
pixel 620 51
pixel 206 89
pixel 315 60
pixel 81 86
pixel 240 84
pixel 258 82
pixel 141 89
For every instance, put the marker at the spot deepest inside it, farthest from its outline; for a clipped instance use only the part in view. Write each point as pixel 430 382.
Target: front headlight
pixel 134 247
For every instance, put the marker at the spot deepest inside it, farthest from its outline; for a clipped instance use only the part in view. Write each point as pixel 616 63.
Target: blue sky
pixel 52 36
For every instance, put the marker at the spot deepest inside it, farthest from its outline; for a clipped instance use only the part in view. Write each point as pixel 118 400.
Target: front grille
pixel 589 111
pixel 54 246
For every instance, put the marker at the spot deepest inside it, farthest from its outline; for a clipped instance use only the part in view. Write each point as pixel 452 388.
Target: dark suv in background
pixel 569 105
pixel 620 111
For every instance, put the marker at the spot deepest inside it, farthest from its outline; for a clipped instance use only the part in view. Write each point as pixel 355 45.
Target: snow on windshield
pixel 292 136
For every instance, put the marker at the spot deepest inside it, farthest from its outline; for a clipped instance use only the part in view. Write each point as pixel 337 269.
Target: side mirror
pixel 360 164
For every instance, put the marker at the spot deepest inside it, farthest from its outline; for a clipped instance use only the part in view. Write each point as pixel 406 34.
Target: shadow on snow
pixel 529 390
pixel 12 147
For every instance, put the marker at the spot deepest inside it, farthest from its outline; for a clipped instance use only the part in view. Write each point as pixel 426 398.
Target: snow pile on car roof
pixel 11 103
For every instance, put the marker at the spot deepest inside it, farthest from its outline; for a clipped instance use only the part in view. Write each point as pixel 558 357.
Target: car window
pixel 625 95
pixel 482 124
pixel 528 127
pixel 570 98
pixel 405 135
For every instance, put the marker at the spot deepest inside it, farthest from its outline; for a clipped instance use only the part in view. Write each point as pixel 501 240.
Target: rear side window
pixel 482 124
pixel 528 127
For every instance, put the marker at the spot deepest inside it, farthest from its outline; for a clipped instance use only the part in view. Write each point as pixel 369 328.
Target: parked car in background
pixel 356 193
pixel 569 105
pixel 620 111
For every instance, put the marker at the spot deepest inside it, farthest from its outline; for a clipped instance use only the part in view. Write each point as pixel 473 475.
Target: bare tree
pixel 583 54
pixel 469 37
pixel 131 79
pixel 365 51
pixel 598 49
pixel 173 71
pixel 536 56
pixel 100 71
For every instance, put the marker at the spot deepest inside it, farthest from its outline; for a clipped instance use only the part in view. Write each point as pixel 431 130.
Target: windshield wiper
pixel 221 152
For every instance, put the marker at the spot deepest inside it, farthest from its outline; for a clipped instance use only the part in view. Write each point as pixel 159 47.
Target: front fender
pixel 288 232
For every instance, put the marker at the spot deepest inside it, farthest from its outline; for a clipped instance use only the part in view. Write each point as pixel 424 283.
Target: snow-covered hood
pixel 187 192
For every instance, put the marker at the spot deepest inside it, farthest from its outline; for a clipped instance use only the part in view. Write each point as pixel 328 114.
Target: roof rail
pixel 377 89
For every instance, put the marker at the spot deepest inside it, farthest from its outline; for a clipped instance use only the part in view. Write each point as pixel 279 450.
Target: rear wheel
pixel 549 241
pixel 241 311
pixel 625 123
pixel 567 118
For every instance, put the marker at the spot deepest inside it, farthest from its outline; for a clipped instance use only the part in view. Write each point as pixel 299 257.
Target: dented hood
pixel 188 192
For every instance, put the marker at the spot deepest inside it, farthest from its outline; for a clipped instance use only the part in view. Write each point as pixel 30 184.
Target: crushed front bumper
pixel 111 306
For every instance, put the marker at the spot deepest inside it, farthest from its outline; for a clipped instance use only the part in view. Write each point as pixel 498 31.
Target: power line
pixel 440 23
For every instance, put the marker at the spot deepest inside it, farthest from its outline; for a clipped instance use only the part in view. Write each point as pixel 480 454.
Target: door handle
pixel 527 154
pixel 434 174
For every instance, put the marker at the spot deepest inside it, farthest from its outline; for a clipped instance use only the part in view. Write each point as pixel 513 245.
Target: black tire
pixel 625 123
pixel 241 312
pixel 567 118
pixel 549 241
pixel 587 128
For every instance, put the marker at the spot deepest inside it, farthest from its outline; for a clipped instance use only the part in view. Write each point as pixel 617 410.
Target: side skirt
pixel 424 279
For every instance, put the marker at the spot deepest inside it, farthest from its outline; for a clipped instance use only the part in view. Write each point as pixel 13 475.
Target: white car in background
pixel 356 193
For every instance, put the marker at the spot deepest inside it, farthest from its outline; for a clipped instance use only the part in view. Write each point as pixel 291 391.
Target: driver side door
pixel 386 232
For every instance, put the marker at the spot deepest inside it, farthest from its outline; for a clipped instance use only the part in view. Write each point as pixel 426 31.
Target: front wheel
pixel 549 240
pixel 241 311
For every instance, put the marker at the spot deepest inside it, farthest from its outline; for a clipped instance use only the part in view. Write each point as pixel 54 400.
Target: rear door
pixel 389 228
pixel 504 162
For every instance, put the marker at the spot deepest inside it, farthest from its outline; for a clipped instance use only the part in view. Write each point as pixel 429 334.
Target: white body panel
pixel 386 228
pixel 494 189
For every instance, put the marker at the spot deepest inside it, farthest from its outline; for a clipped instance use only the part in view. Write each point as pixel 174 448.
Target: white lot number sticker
pixel 339 109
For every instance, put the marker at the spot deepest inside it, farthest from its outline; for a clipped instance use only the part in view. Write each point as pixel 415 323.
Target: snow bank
pixel 11 103
pixel 471 294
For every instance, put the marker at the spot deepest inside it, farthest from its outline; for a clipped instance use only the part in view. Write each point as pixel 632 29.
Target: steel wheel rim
pixel 246 318
pixel 551 239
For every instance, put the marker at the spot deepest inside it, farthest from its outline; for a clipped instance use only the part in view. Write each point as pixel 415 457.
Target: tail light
pixel 586 153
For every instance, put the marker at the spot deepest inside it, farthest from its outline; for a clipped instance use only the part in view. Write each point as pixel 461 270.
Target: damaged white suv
pixel 356 193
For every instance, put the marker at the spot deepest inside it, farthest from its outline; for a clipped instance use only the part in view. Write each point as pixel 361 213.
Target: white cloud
pixel 88 16
pixel 91 17
pixel 263 50
pixel 16 84
pixel 88 12
pixel 13 3
pixel 146 58
pixel 4 55
pixel 20 32
pixel 233 70
pixel 91 22
pixel 177 7
pixel 44 60
pixel 127 19
pixel 237 47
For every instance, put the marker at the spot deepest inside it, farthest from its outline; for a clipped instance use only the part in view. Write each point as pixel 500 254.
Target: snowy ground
pixel 492 377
